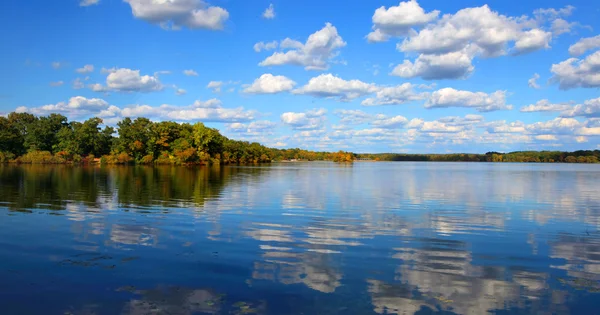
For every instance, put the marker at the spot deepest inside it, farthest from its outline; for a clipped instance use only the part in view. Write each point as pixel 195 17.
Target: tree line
pixel 582 156
pixel 26 138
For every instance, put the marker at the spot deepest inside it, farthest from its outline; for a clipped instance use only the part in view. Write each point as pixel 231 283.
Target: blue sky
pixel 365 76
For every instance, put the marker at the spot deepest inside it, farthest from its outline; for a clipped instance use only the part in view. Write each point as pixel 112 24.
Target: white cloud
pixel 127 80
pixel 107 70
pixel 175 14
pixel 452 65
pixel 316 54
pixel 588 131
pixel 208 111
pixel 589 108
pixel 583 45
pixel 330 86
pixel 353 116
pixel 545 106
pixel 215 86
pixel 533 81
pixel 552 13
pixel 190 73
pixel 180 91
pixel 382 121
pixel 394 95
pixel 468 120
pixel 439 127
pixel 581 139
pixel 310 120
pixel 350 117
pixel 482 102
pixel 77 106
pixel 574 73
pixel 398 20
pixel 260 46
pixel 255 128
pixel 57 83
pixel 269 12
pixel 87 3
pixel 85 69
pixel 78 84
pixel 57 65
pixel 561 26
pixel 532 40
pixel 481 27
pixel 555 126
pixel 270 84
pixel 546 137
pixel 96 87
pixel 502 127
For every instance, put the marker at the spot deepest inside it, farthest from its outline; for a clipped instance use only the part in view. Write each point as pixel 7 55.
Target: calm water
pixel 301 238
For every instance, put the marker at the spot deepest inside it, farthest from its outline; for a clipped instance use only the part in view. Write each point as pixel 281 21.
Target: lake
pixel 301 238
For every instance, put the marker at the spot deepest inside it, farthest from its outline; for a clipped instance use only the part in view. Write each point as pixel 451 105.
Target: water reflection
pixel 374 238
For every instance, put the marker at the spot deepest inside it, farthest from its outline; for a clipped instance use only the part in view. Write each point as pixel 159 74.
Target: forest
pixel 584 156
pixel 52 139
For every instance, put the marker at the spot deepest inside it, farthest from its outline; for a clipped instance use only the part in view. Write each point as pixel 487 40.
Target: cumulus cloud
pixel 583 45
pixel 310 120
pixel 502 127
pixel 561 26
pixel 398 20
pixel 480 26
pixel 330 86
pixel 261 131
pixel 175 14
pixel 77 107
pixel 85 69
pixel 353 116
pixel 87 3
pixel 207 111
pixel 452 65
pixel 546 137
pixel 556 126
pixel 127 80
pixel 78 84
pixel 574 73
pixel 447 45
pixel 57 65
pixel 269 12
pixel 383 121
pixel 589 108
pixel 533 81
pixel 180 91
pixel 350 117
pixel 270 84
pixel 480 101
pixel 57 83
pixel 467 120
pixel 260 46
pixel 545 106
pixel 190 73
pixel 316 54
pixel 215 86
pixel 394 95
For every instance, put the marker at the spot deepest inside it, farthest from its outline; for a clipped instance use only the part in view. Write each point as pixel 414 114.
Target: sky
pixel 364 76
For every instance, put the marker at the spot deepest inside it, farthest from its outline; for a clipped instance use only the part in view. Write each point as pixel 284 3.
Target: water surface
pixel 301 238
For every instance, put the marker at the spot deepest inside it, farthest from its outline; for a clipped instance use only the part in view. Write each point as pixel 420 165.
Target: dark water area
pixel 301 238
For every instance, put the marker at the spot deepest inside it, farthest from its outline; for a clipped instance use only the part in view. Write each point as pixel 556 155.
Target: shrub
pixel 6 157
pixel 147 159
pixel 120 158
pixel 41 157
